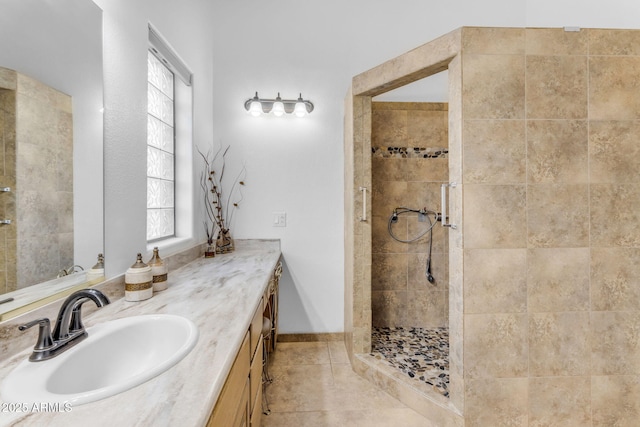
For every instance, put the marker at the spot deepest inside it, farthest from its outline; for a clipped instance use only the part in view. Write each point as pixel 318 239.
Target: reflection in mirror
pixel 50 146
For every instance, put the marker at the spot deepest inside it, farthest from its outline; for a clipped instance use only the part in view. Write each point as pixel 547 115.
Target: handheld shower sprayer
pixel 423 215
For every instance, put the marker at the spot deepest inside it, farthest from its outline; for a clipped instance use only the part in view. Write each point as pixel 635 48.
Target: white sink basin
pixel 117 355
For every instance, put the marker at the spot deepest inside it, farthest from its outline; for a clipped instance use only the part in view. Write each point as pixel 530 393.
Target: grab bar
pixel 364 203
pixel 443 199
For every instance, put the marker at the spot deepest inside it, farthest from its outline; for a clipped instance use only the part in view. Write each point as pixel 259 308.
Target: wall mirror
pixel 59 44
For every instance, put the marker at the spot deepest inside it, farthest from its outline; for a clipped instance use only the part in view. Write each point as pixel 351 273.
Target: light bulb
pixel 278 107
pixel 300 109
pixel 255 108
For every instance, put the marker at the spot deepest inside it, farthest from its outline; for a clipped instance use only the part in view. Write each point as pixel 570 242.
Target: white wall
pixel 187 27
pixel 286 46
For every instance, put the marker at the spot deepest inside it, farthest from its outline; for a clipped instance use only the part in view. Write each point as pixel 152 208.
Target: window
pixel 160 149
pixel 168 79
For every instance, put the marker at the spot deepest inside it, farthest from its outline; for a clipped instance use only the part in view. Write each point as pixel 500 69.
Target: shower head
pixel 427 273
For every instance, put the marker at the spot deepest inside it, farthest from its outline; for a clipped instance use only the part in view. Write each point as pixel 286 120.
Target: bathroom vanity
pixel 219 382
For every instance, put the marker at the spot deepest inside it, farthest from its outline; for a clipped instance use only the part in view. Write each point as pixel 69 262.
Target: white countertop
pixel 220 296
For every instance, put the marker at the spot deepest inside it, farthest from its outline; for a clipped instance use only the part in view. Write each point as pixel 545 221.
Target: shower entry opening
pixel 409 249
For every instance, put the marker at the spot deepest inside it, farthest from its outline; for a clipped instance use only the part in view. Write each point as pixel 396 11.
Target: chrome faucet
pixel 69 329
pixel 67 271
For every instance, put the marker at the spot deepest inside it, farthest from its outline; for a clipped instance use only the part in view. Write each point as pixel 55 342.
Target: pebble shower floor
pixel 421 353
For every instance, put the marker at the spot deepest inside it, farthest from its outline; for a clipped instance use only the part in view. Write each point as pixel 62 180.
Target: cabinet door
pixel 230 402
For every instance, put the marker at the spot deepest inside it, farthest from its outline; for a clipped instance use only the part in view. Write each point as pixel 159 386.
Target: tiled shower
pixel 544 307
pixel 409 149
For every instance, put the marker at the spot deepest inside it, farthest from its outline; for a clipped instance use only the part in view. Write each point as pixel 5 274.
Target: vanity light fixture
pixel 257 106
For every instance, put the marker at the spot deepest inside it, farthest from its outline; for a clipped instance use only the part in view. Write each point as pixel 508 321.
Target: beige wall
pixel 7 179
pixel 544 302
pixel 409 162
pixel 37 135
pixel 551 227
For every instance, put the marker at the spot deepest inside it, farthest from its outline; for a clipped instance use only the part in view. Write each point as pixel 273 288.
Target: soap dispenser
pixel 138 281
pixel 97 271
pixel 159 271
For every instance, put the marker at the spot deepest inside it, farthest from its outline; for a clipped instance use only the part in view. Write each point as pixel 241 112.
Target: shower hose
pixel 424 212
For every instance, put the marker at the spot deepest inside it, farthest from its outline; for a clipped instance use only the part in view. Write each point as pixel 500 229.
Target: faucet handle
pixel 44 333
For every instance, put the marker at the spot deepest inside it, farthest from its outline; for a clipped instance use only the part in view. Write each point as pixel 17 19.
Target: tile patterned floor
pixel 422 354
pixel 314 386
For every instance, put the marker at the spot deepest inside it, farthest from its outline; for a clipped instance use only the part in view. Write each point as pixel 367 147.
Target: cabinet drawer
pixel 227 407
pixel 256 330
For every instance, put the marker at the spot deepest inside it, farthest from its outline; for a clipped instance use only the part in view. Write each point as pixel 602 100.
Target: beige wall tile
pixel 614 42
pixel 560 401
pixel 558 215
pixel 438 232
pixel 613 93
pixel 388 128
pixel 614 152
pixel 388 272
pixel 494 151
pixel 556 87
pixel 386 196
pixel 427 128
pixel 381 240
pixel 8 79
pixel 558 343
pixel 495 345
pixel 490 283
pixel 426 309
pixel 615 343
pixel 562 273
pixel 429 169
pixel 615 214
pixel 615 400
pixel 422 194
pixel 388 169
pixel 493 40
pixel 557 151
pixel 615 279
pixel 494 216
pixel 493 87
pixel 556 41
pixel 496 402
pixel 389 308
pixel 417 279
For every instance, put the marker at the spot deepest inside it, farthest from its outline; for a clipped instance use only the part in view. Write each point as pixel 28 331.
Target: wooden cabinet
pixel 234 398
pixel 240 402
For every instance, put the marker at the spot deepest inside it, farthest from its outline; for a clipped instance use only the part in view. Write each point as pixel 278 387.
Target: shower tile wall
pixel 36 133
pixel 409 162
pixel 7 179
pixel 44 179
pixel 551 228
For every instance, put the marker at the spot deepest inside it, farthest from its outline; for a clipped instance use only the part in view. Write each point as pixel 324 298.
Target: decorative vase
pixel 224 242
pixel 159 270
pixel 138 281
pixel 210 251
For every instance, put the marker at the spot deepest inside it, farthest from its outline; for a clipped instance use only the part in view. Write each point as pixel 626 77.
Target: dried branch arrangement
pixel 219 206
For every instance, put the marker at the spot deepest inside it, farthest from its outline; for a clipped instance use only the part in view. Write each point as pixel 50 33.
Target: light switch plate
pixel 279 219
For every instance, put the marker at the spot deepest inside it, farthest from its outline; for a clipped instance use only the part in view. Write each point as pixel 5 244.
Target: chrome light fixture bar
pixel 257 106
